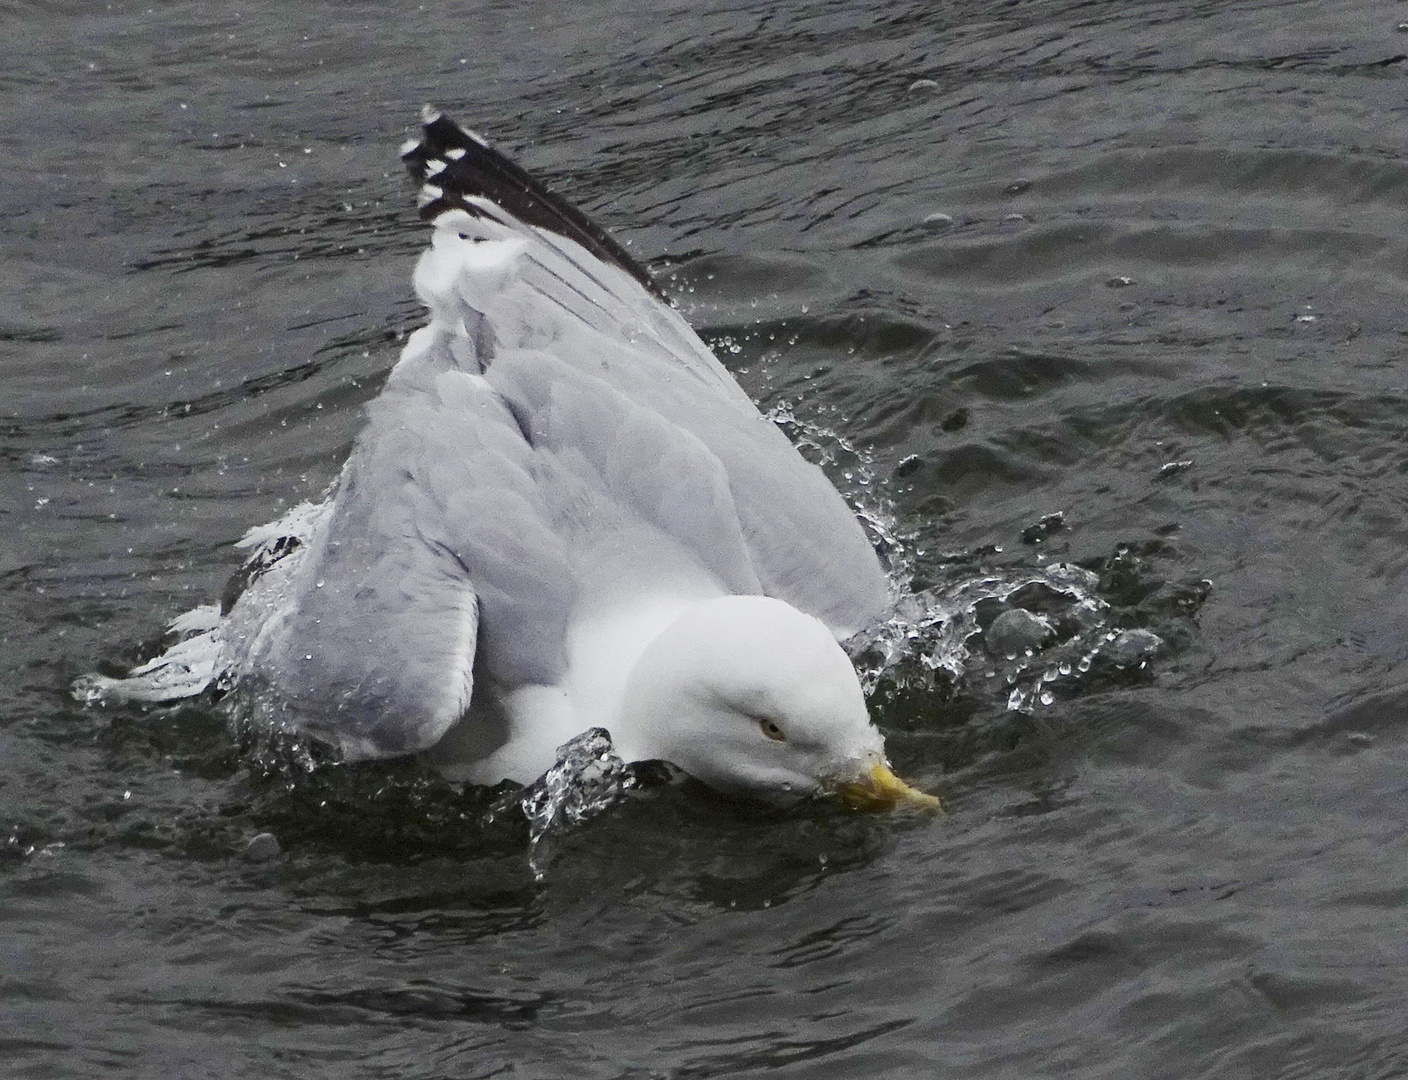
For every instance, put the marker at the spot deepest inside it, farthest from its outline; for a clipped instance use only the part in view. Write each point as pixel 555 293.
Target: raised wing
pixel 521 273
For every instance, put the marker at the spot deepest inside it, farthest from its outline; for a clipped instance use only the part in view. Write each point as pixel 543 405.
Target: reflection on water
pixel 1094 312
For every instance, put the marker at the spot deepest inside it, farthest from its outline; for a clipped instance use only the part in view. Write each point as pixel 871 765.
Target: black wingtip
pixel 453 165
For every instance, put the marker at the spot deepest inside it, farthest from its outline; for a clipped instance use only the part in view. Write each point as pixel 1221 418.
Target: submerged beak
pixel 877 788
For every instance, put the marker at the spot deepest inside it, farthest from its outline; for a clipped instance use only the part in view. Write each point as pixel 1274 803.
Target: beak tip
pixel 880 789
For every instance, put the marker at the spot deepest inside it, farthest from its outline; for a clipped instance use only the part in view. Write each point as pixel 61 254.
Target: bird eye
pixel 771 730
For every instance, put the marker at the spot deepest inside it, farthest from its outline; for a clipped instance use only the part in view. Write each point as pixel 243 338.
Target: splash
pixel 953 629
pixel 1031 627
pixel 588 778
pixel 853 470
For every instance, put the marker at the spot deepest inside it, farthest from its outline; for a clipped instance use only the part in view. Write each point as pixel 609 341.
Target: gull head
pixel 753 697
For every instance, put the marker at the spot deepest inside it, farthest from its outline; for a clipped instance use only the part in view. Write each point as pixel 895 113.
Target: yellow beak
pixel 880 789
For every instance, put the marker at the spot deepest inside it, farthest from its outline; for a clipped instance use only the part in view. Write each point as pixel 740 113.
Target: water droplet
pixel 1047 697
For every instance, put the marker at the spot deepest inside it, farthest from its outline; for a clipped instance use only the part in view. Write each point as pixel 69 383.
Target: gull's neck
pixel 603 650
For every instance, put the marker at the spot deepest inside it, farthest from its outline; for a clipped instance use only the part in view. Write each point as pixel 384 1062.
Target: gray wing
pixel 564 288
pixel 369 637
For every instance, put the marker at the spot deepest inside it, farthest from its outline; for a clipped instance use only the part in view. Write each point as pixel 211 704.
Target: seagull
pixel 562 513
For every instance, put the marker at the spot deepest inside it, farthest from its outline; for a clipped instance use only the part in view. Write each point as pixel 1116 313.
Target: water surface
pixel 1139 263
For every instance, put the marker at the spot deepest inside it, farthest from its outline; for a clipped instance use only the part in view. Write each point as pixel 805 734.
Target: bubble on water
pixel 1133 645
pixel 262 848
pixel 1017 632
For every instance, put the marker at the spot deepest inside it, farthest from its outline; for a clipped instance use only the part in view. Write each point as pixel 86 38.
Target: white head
pixel 750 695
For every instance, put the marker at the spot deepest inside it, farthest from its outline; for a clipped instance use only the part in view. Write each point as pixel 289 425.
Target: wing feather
pixel 558 288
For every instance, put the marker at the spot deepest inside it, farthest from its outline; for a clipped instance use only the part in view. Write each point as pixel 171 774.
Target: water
pixel 1141 264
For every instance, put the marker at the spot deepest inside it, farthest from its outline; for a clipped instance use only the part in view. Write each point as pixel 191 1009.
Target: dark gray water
pixel 1170 303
